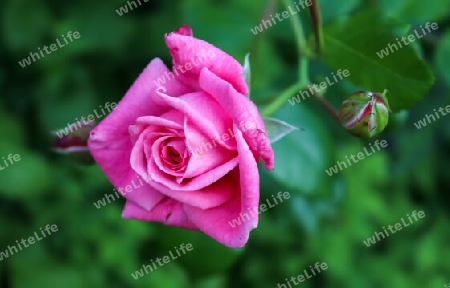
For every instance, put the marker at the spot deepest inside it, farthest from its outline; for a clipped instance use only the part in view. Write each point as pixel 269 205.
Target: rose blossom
pixel 154 130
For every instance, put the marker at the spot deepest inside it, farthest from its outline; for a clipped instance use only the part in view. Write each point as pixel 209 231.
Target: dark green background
pixel 326 219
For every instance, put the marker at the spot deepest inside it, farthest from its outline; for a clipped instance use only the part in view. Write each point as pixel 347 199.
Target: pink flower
pixel 194 137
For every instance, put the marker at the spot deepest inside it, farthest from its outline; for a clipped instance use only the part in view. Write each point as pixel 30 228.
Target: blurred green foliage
pixel 326 219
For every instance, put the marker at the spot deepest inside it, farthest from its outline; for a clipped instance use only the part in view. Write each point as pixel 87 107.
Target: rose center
pixel 173 156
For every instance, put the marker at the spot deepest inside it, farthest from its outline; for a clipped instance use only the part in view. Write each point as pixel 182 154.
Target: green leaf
pixel 277 129
pixel 355 44
pixel 416 11
pixel 332 9
pixel 302 157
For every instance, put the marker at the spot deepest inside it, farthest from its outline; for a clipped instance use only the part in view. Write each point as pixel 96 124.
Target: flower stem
pixel 304 53
pixel 301 45
pixel 325 104
pixel 316 18
pixel 281 99
pixel 303 75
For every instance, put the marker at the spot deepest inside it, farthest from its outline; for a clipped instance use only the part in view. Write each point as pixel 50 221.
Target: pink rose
pixel 193 137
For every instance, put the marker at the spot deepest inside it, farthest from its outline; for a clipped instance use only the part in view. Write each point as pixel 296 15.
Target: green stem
pixel 303 63
pixel 303 75
pixel 304 52
pixel 281 99
pixel 269 10
pixel 298 29
pixel 301 42
pixel 325 104
pixel 316 18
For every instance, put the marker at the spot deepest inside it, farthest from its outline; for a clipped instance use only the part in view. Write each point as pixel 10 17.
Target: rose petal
pixel 168 211
pixel 196 53
pixel 135 131
pixel 248 175
pixel 193 184
pixel 205 154
pixel 155 151
pixel 213 195
pixel 141 151
pixel 200 108
pixel 242 111
pixel 110 142
pixel 184 30
pixel 158 121
pixel 217 222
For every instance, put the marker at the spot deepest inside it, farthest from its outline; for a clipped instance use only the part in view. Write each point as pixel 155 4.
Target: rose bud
pixel 74 143
pixel 364 113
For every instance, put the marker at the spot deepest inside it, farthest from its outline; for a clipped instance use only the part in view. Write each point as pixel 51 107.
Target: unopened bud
pixel 365 114
pixel 74 143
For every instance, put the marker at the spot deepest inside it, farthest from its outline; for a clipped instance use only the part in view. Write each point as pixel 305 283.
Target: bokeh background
pixel 325 220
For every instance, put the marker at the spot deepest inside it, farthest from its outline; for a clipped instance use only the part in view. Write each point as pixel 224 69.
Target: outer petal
pixel 110 142
pixel 169 212
pixel 189 50
pixel 241 110
pixel 211 196
pixel 215 222
pixel 185 30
